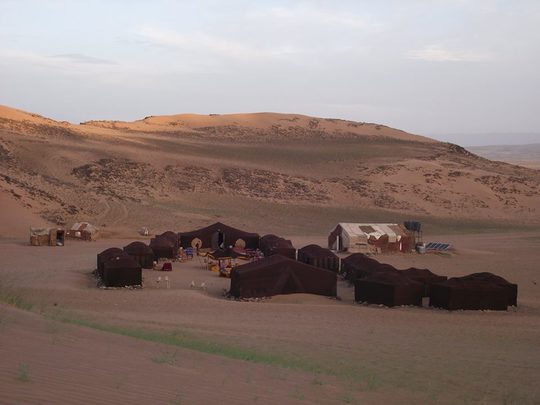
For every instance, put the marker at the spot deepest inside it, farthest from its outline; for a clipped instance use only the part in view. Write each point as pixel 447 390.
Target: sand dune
pixel 187 170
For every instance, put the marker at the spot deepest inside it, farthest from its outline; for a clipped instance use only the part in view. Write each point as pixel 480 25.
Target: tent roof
pixel 138 247
pixel 219 226
pixel 376 230
pixel 84 226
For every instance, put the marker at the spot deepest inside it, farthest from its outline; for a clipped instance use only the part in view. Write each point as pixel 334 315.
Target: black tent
pixel 122 272
pixel 466 293
pixel 171 237
pixel 280 275
pixel 388 288
pixel 142 253
pixel 163 247
pixel 424 276
pixel 106 255
pixel 218 236
pixel 512 289
pixel 319 257
pixel 358 265
pixel 272 245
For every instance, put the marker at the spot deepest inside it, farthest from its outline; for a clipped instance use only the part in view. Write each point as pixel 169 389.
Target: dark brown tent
pixel 275 245
pixel 122 272
pixel 218 236
pixel 163 247
pixel 106 255
pixel 424 276
pixel 280 275
pixel 358 265
pixel 463 293
pixel 388 288
pixel 512 289
pixel 142 253
pixel 227 253
pixel 318 256
pixel 171 237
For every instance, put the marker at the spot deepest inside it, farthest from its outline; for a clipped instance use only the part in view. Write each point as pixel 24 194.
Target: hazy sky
pixel 432 67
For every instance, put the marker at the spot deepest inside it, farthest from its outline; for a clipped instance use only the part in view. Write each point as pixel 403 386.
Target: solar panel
pixel 437 246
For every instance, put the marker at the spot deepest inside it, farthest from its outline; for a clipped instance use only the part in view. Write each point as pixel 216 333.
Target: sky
pixel 465 71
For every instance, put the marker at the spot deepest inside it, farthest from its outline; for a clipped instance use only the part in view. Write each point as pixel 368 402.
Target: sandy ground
pixel 343 352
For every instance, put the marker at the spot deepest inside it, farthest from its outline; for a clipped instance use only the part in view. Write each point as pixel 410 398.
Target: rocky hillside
pixel 195 168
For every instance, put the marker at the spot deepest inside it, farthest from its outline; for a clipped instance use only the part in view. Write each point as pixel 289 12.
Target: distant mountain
pixel 490 138
pixel 523 155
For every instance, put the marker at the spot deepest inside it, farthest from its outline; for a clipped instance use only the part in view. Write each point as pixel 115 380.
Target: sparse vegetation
pixel 23 373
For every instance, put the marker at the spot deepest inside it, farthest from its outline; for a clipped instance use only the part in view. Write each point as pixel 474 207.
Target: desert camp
pixel 269 202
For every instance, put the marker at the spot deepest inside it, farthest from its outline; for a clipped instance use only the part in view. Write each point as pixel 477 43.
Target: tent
pixel 281 275
pixel 83 231
pixel 163 247
pixel 319 257
pixel 142 253
pixel 172 237
pixel 122 271
pixel 388 288
pixel 358 265
pixel 218 236
pixel 105 256
pixel 469 293
pixel 370 238
pixel 272 244
pixel 221 254
pixel 474 291
pixel 47 236
pixel 424 276
pixel 511 289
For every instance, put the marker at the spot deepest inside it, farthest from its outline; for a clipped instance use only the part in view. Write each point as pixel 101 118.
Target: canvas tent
pixel 280 275
pixel 370 238
pixel 83 231
pixel 319 257
pixel 272 245
pixel 122 271
pixel 217 236
pixel 142 253
pixel 105 256
pixel 424 276
pixel 163 248
pixel 47 236
pixel 358 265
pixel 388 288
pixel 469 293
pixel 511 289
pixel 172 237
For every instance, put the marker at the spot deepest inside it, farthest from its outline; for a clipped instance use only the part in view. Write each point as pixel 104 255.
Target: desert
pixel 64 340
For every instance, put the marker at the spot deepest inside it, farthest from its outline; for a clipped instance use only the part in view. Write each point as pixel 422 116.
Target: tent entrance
pixel 218 240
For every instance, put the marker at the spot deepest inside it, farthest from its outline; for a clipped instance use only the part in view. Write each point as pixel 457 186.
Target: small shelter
pixel 172 237
pixel 469 293
pixel 388 288
pixel 272 245
pixel 142 253
pixel 163 248
pixel 424 276
pixel 83 231
pixel 511 289
pixel 122 271
pixel 105 256
pixel 319 257
pixel 370 238
pixel 217 236
pixel 358 265
pixel 47 236
pixel 281 275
